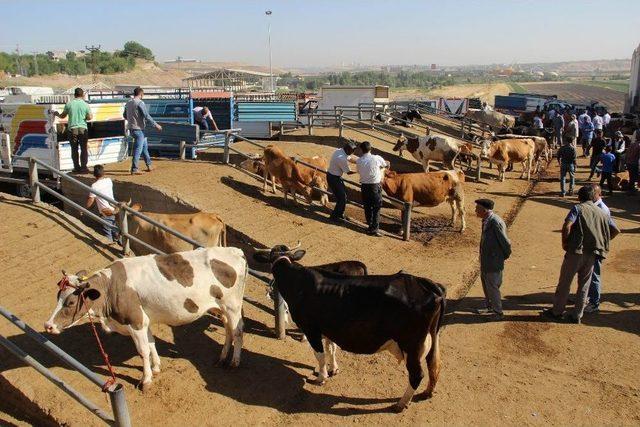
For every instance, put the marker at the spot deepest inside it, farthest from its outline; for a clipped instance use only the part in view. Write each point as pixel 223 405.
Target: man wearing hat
pixel 495 248
pixel 338 165
pixel 618 147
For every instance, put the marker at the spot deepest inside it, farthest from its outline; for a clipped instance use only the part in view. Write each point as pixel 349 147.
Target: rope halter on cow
pixel 63 284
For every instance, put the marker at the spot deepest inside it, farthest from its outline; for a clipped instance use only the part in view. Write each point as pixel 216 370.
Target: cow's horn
pixel 64 273
pixel 296 246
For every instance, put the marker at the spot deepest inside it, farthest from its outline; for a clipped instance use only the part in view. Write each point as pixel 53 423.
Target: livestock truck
pixel 32 130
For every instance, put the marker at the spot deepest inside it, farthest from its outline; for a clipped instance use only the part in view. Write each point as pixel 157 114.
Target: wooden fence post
pixel 183 150
pixel 225 155
pixel 124 230
pixel 33 181
pixel 478 169
pixel 310 116
pixel 340 118
pixel 406 221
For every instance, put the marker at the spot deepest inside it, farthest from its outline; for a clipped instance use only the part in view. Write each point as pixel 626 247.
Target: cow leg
pixel 265 175
pixel 501 172
pixel 237 325
pixel 461 212
pixel 433 363
pixel 155 359
pixel 331 348
pixel 426 165
pixel 273 184
pixel 228 339
pixel 452 203
pixel 416 373
pixel 315 340
pixel 141 340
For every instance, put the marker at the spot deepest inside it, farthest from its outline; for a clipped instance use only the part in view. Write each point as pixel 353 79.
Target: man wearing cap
pixel 495 248
pixel 338 165
pixel 370 168
pixel 585 235
pixel 618 147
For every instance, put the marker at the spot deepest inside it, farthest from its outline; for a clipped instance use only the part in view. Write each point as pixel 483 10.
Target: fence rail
pixel 120 416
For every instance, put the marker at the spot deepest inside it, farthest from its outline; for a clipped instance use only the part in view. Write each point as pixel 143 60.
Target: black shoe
pixel 570 318
pixel 338 219
pixel 84 170
pixel 561 194
pixel 374 233
pixel 549 314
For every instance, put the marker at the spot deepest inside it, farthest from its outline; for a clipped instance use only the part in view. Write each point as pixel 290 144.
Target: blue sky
pixel 331 32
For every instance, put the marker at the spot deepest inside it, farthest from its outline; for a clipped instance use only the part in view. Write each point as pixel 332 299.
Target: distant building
pixel 434 66
pixel 180 59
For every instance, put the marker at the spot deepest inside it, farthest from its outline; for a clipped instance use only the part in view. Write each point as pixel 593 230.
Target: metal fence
pixel 120 416
pixel 406 207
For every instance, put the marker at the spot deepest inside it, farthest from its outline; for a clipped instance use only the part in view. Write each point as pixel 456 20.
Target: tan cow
pixel 510 150
pixel 428 189
pixel 256 165
pixel 542 151
pixel 495 119
pixel 293 178
pixel 206 228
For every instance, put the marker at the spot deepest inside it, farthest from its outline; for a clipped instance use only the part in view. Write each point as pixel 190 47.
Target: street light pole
pixel 272 87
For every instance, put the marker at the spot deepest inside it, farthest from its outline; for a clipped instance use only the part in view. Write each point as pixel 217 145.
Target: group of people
pixel 370 167
pixel 586 234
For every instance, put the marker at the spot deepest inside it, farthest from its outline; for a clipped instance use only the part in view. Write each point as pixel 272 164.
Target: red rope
pixel 111 381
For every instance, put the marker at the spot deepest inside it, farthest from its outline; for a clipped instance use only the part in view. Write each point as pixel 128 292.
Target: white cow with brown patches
pixel 427 148
pixel 176 289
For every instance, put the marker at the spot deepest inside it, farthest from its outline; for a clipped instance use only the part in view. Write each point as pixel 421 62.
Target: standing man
pixel 104 186
pixel 618 146
pixel 338 165
pixel 79 113
pixel 585 235
pixel 632 159
pixel 558 128
pixel 608 161
pixel 605 120
pixel 495 248
pixel 370 168
pixel 571 133
pixel 538 125
pixel 598 121
pixel 567 160
pixel 587 136
pixel 137 115
pixel 597 147
pixel 595 288
pixel 202 117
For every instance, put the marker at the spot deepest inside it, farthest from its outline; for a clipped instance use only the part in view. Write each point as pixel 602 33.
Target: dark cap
pixel 485 203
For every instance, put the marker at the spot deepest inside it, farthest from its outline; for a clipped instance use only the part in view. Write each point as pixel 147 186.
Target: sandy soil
pixel 486 92
pixel 520 371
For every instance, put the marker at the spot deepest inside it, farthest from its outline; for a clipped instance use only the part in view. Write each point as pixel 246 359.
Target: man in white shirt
pixel 202 116
pixel 370 168
pixel 339 165
pixel 104 186
pixel 606 119
pixel 598 122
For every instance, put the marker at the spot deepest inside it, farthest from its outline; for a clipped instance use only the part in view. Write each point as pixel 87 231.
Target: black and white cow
pixel 399 313
pixel 175 289
pixel 400 118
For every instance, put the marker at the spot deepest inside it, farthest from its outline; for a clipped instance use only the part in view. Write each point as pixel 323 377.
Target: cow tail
pixel 223 236
pixel 443 308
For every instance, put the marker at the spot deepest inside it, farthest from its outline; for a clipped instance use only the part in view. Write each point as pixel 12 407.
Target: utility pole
pixel 272 86
pixel 35 63
pixel 19 69
pixel 94 50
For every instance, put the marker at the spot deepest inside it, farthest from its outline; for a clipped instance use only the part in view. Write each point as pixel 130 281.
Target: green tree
pixel 136 50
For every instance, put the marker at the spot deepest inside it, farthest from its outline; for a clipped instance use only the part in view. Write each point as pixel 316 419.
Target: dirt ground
pixel 579 93
pixel 519 371
pixel 485 91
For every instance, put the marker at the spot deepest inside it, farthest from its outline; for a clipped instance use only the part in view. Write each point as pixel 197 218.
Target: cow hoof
pixel 234 363
pixel 144 386
pixel 424 396
pixel 316 381
pixel 155 369
pixel 222 362
pixel 334 372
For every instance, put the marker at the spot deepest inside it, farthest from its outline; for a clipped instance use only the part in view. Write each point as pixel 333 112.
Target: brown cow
pixel 542 149
pixel 510 150
pixel 293 178
pixel 206 228
pixel 256 166
pixel 428 189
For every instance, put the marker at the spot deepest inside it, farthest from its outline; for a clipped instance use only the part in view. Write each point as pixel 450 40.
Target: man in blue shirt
pixel 608 160
pixel 596 278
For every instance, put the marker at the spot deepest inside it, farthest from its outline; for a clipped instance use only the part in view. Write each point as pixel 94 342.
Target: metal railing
pixel 120 416
pixel 405 206
pixel 124 213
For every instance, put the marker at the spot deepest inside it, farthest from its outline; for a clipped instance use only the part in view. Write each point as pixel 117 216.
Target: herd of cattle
pixel 336 304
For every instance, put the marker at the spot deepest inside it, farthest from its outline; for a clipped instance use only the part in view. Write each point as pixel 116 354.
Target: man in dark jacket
pixel 495 248
pixel 597 147
pixel 585 236
pixel 567 159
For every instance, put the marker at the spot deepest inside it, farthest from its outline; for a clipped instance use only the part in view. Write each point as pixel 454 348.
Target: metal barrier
pixel 120 416
pixel 125 211
pixel 406 207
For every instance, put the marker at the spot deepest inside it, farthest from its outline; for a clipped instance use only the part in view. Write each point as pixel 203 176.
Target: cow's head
pixel 254 164
pixel 75 299
pixel 277 252
pixel 401 144
pixel 484 148
pixel 413 114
